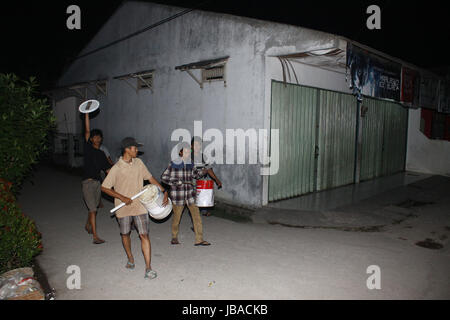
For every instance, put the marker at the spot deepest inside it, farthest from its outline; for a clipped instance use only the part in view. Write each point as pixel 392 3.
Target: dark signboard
pixel 429 92
pixel 410 87
pixel 373 75
pixel 444 97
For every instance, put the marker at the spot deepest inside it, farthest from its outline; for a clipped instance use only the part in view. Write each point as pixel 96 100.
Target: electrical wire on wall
pixel 154 25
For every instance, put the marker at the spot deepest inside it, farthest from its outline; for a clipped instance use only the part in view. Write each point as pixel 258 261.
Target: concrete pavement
pixel 320 258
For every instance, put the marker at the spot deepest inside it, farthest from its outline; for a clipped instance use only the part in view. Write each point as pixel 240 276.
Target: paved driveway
pixel 245 260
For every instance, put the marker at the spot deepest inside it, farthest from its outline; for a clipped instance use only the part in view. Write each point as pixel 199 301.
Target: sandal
pixel 203 243
pixel 174 241
pixel 130 265
pixel 150 274
pixel 98 241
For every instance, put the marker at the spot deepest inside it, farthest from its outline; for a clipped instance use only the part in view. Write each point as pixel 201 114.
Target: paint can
pixel 204 196
pixel 152 200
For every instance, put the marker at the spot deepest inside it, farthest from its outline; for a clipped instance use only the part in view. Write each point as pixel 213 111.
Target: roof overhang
pixel 203 64
pixel 135 74
pixel 77 89
pixel 140 76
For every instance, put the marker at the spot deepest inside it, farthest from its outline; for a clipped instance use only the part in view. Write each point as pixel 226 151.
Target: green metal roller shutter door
pixel 372 139
pixel 317 139
pixel 317 130
pixel 384 133
pixel 293 112
pixel 395 135
pixel 337 127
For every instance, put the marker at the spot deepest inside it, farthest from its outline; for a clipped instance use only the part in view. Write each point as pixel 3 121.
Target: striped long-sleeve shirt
pixel 180 178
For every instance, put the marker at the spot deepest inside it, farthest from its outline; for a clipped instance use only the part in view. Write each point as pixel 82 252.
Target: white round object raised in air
pixel 152 200
pixel 89 106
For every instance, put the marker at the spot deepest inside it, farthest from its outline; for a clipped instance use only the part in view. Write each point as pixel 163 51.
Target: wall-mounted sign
pixel 410 87
pixel 429 92
pixel 373 75
pixel 444 97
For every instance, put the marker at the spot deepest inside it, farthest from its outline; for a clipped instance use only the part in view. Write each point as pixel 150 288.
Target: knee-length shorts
pixel 91 193
pixel 141 222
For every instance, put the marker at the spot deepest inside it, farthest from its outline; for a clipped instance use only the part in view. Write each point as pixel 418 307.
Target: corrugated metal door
pixel 337 129
pixel 317 130
pixel 372 138
pixel 395 133
pixel 384 134
pixel 293 112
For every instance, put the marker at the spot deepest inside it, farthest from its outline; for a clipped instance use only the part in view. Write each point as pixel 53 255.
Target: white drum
pixel 152 200
pixel 204 196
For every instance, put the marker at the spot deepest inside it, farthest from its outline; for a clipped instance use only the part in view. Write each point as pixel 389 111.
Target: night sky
pixel 37 43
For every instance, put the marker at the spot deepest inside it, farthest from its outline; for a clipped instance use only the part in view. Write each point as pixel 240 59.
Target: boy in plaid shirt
pixel 180 175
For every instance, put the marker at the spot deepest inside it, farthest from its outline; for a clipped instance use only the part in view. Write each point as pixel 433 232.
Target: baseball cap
pixel 130 142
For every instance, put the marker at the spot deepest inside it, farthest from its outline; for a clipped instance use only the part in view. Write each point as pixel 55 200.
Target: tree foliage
pixel 25 123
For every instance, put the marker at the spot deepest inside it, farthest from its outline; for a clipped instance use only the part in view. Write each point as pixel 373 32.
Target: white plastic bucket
pixel 152 200
pixel 205 193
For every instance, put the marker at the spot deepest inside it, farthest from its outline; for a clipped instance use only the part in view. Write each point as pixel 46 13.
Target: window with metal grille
pixel 145 81
pixel 213 74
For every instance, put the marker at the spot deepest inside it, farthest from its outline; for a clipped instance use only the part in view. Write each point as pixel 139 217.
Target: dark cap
pixel 130 142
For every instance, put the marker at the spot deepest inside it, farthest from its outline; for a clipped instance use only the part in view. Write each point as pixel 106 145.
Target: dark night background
pixel 36 42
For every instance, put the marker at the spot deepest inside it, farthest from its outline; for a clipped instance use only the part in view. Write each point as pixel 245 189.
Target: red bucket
pixel 205 193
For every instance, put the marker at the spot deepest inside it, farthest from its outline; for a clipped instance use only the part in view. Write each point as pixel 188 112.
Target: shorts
pixel 141 222
pixel 91 193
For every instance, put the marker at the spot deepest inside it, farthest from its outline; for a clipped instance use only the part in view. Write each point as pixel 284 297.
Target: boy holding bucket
pixel 180 175
pixel 198 160
pixel 127 178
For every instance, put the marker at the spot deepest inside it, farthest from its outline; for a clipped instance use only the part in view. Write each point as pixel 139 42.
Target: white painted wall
pixel 424 154
pixel 178 101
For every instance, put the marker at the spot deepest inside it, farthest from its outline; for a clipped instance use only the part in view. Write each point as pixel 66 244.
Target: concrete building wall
pixel 67 116
pixel 178 101
pixel 424 154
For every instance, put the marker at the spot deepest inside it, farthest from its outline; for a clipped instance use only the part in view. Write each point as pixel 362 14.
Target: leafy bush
pixel 19 239
pixel 25 122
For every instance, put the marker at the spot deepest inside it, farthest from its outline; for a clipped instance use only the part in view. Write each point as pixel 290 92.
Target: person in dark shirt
pixel 94 162
pixel 200 161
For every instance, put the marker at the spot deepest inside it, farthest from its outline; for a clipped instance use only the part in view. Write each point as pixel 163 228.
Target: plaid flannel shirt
pixel 180 178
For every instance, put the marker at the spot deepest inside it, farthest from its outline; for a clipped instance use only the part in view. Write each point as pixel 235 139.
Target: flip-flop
pixel 150 274
pixel 98 241
pixel 203 243
pixel 174 241
pixel 130 265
